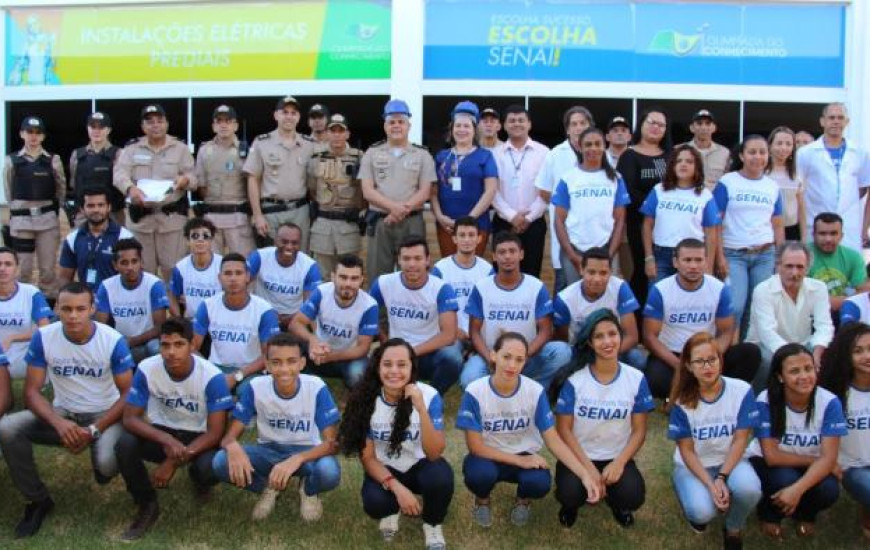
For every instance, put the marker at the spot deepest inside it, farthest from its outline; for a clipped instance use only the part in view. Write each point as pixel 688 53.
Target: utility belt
pixel 373 217
pixel 138 212
pixel 349 215
pixel 201 209
pixel 36 210
pixel 270 206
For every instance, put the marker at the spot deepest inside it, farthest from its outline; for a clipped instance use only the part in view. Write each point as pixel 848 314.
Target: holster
pixel 371 220
pixel 313 211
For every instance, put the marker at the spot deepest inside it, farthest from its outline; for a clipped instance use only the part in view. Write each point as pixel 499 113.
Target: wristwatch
pixel 94 431
pixel 238 376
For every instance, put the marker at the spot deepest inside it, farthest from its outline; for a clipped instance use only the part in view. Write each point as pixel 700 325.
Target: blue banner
pixel 573 40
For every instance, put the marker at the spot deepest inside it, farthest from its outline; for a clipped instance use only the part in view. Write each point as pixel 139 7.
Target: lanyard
pixel 93 250
pixel 517 165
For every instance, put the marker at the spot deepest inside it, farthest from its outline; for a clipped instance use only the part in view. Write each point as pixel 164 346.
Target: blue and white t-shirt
pixel 461 280
pixel 294 420
pixel 589 198
pixel 509 310
pixel 19 313
pixel 711 424
pixel 82 375
pixel 571 306
pixel 180 404
pixel 855 308
pixel 411 451
pixel 509 423
pixel 602 412
pixel 131 308
pixel 283 287
pixel 413 312
pixel 338 326
pixel 684 313
pixel 746 207
pixel 799 437
pixel 855 446
pixel 236 334
pixel 195 284
pixel 679 214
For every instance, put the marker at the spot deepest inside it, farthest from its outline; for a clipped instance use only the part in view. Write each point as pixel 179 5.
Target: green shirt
pixel 843 271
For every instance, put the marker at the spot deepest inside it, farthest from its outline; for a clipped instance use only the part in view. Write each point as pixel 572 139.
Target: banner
pixel 560 40
pixel 330 39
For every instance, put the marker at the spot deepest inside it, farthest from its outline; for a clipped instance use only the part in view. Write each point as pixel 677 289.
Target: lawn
pixel 90 516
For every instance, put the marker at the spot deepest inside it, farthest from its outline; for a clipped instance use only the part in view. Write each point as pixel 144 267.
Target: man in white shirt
pixel 717 158
pixel 790 307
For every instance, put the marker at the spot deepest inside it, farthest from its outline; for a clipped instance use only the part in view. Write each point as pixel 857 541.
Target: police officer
pixel 318 115
pixel 332 180
pixel 396 176
pixel 158 156
pixel 222 185
pixel 92 166
pixel 35 186
pixel 276 167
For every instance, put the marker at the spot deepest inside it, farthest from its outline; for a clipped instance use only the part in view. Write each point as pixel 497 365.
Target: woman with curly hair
pixel 395 425
pixel 846 373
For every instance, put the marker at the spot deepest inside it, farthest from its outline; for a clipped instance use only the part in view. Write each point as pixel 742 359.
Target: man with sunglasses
pixel 195 277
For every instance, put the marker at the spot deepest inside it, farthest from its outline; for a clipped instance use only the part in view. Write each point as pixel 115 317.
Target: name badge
pixel 456 183
pixel 91 276
pixel 230 165
pixel 515 181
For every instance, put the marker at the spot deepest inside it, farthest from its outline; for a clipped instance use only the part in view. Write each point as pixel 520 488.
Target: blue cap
pixel 468 108
pixel 396 107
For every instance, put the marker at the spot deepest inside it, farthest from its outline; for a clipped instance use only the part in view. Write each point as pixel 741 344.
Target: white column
pixel 408 22
pixel 857 78
pixel 3 125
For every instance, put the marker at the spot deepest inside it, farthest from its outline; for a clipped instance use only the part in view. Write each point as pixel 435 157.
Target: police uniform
pixel 92 167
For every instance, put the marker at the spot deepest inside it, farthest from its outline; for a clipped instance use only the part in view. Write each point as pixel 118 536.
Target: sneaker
pixel 623 517
pixel 520 514
pixel 731 541
pixel 265 505
pixel 434 537
pixel 698 528
pixel 482 514
pixel 310 507
pixel 34 513
pixel 389 526
pixel 567 516
pixel 144 520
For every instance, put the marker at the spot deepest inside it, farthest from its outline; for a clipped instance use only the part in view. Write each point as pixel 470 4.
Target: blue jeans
pixel 664 256
pixel 146 350
pixel 350 371
pixel 856 481
pixel 319 475
pixel 541 367
pixel 635 358
pixel 482 474
pixel 820 497
pixel 442 367
pixel 697 503
pixel 745 271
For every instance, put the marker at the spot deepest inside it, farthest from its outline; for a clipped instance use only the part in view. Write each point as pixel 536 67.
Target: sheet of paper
pixel 155 190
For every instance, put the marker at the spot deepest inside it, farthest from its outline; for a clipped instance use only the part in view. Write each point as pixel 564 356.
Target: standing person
pixel 397 178
pixel 35 188
pixel 677 208
pixel 840 268
pixel 23 309
pixel 90 369
pixel 711 421
pixel 781 168
pixel 507 420
pixel 642 166
pixel 751 209
pixel 715 158
pixel 185 399
pixel 589 203
pixel 196 276
pixel 796 442
pixel 846 373
pixel 560 160
pixel 156 156
pixel 334 183
pixel 222 185
pixel 288 443
pixel 395 425
pixel 318 118
pixel 490 126
pixel 276 167
pixel 93 165
pixel 518 206
pixel 283 275
pixel 601 415
pixel 618 137
pixel 467 180
pixel 835 174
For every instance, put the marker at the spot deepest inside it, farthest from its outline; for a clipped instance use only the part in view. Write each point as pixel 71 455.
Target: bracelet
pixel 649 259
pixel 386 481
pixel 723 476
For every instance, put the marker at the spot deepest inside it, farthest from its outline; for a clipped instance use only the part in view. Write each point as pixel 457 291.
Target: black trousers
pixel 819 497
pixel 742 361
pixel 533 243
pixel 633 231
pixel 626 495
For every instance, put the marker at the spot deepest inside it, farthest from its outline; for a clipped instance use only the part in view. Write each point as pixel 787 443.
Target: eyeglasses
pixel 657 124
pixel 708 362
pixel 197 236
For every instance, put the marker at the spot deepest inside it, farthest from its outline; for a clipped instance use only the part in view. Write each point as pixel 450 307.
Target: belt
pixel 343 215
pixel 171 208
pixel 35 211
pixel 380 215
pixel 754 249
pixel 278 205
pixel 244 208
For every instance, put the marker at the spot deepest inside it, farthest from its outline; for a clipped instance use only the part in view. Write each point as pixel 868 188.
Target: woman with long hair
pixel 712 417
pixel 601 415
pixel 782 168
pixel 795 448
pixel 846 374
pixel 395 425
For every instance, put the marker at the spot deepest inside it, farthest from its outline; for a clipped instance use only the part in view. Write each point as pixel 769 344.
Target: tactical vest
pixel 33 180
pixel 94 170
pixel 337 186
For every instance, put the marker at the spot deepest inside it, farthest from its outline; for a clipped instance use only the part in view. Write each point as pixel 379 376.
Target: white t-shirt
pixel 571 306
pixel 131 308
pixel 746 207
pixel 195 284
pixel 282 286
pixel 236 334
pixel 589 198
pixel 413 312
pixel 602 412
pixel 21 312
pixel 855 308
pixel 411 451
pixel 855 446
pixel 560 159
pixel 684 313
pixel 338 326
pixel 711 424
pixel 462 281
pixel 504 310
pixel 679 214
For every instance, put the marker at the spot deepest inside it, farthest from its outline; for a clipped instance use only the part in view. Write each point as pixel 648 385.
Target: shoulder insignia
pixel 418 146
pixel 377 143
pixel 131 142
pixel 307 138
pixel 261 136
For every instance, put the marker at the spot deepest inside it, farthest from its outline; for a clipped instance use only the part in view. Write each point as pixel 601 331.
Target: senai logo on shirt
pixel 403 310
pixel 76 368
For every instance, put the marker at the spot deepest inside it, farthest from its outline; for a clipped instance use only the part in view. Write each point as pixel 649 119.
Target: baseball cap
pixel 489 111
pixel 99 119
pixel 153 109
pixel 466 107
pixel 396 107
pixel 224 110
pixel 618 121
pixel 286 100
pixel 337 120
pixel 33 123
pixel 318 110
pixel 703 113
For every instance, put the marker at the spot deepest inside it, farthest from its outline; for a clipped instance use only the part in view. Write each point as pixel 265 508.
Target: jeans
pixel 319 476
pixel 664 256
pixel 745 271
pixel 442 367
pixel 431 479
pixel 146 350
pixel 481 475
pixel 773 478
pixel 742 361
pixel 856 481
pixel 541 367
pixel 350 371
pixel 697 503
pixel 626 495
pixel 635 358
pixel 18 433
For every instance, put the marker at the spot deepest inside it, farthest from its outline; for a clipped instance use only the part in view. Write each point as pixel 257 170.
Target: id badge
pixel 515 181
pixel 91 276
pixel 456 183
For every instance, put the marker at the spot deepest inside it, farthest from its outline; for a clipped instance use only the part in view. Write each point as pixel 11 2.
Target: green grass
pixel 90 516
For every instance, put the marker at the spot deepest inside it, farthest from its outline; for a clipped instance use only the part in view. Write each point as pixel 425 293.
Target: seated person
pixel 839 267
pixel 23 309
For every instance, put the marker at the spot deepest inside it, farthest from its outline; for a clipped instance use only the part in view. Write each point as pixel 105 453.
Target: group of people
pixel 159 355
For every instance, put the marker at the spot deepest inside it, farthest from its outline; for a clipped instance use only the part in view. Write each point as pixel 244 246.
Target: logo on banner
pixel 705 44
pixel 533 40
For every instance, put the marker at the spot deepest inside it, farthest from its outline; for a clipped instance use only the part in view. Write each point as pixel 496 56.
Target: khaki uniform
pixel 219 170
pixel 36 231
pixel 717 160
pixel 398 178
pixel 161 230
pixel 281 170
pixel 334 186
